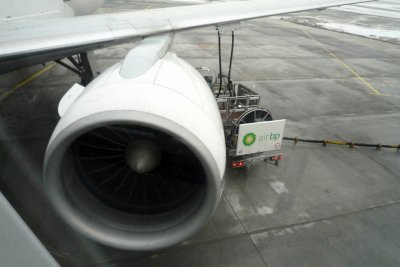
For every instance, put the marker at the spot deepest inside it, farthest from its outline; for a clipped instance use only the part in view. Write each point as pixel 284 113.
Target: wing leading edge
pixel 28 43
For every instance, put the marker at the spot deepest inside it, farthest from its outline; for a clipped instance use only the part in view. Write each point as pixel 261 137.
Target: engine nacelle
pixel 137 160
pixel 84 7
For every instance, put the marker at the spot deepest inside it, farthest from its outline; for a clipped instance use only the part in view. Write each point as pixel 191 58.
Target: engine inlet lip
pixel 115 236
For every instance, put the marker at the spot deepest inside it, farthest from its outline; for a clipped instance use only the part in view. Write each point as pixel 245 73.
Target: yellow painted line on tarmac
pixel 373 90
pixel 25 81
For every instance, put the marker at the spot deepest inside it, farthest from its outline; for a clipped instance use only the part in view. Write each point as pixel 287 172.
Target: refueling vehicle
pixel 251 134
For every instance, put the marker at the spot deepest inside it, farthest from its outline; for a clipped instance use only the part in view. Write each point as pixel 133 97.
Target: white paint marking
pixel 265 210
pixel 304 215
pixel 304 226
pixel 279 187
pixel 282 232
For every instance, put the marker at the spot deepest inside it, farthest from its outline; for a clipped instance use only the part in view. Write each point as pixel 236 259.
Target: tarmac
pixel 322 206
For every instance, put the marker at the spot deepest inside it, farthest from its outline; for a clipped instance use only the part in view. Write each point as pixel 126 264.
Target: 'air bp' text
pixel 271 136
pixel 260 137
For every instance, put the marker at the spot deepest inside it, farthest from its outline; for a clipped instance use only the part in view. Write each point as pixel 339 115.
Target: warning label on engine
pixel 260 137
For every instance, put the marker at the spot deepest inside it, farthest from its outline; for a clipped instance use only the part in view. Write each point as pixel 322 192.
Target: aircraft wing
pixel 24 43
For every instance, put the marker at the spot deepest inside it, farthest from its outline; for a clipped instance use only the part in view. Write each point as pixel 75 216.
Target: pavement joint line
pixel 250 233
pixel 361 79
pixel 245 230
pixel 27 80
pixel 332 217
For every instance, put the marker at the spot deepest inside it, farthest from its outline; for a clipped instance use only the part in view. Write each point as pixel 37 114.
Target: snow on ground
pixel 389 9
pixel 377 20
pixel 363 31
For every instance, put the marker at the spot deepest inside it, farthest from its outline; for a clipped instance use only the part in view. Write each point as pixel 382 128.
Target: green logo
pixel 249 139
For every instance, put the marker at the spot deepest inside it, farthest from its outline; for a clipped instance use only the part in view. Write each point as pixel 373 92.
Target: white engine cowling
pixel 137 160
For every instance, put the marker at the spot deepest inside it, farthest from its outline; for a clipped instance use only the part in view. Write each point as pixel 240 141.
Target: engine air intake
pixel 137 169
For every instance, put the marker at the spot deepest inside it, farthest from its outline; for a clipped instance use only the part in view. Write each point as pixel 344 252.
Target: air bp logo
pixel 249 139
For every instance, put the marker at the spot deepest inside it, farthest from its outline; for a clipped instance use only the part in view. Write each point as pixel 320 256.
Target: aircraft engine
pixel 137 159
pixel 84 7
